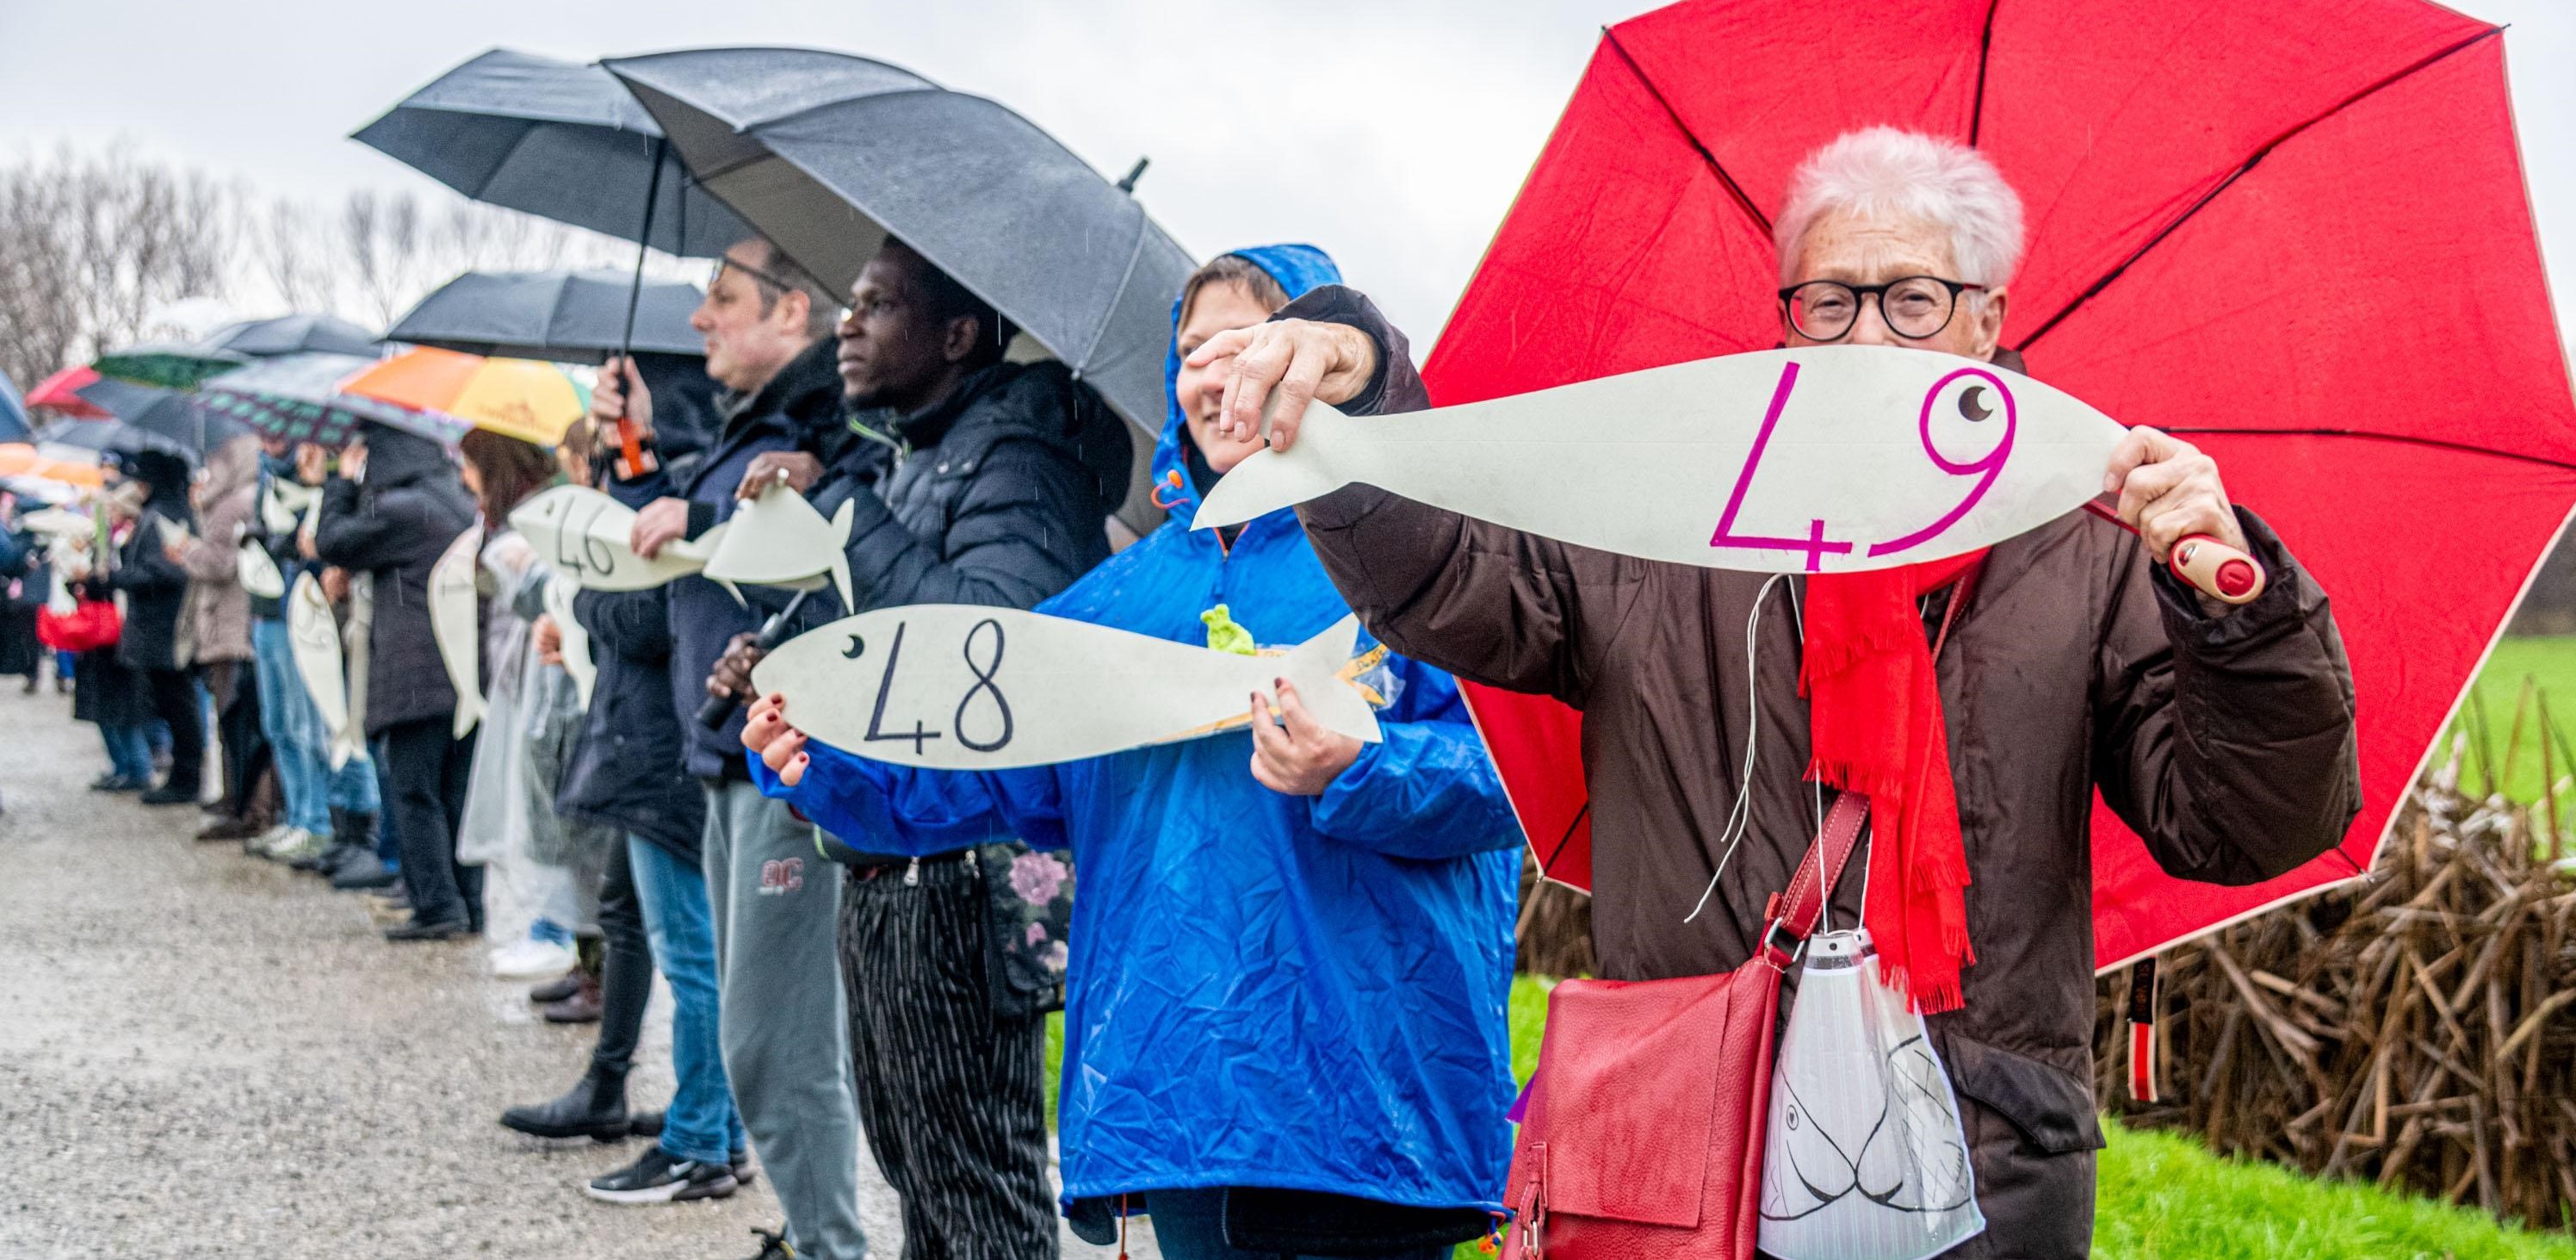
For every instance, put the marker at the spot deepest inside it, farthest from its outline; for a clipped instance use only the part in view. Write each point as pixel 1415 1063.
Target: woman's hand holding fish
pixel 1303 360
pixel 2169 491
pixel 1295 755
pixel 781 747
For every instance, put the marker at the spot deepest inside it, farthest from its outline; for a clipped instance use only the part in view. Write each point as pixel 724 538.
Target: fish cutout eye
pixel 858 646
pixel 1971 406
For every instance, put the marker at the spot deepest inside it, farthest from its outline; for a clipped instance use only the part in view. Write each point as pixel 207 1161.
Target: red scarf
pixel 1878 729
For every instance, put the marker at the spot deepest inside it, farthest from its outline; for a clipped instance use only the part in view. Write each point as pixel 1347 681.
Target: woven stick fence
pixel 2417 1029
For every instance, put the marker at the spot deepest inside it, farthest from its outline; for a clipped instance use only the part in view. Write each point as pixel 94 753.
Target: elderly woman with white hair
pixel 2073 661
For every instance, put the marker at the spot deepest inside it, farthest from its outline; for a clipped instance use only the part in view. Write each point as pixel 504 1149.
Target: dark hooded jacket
pixel 797 410
pixel 626 772
pixel 2227 743
pixel 158 630
pixel 395 526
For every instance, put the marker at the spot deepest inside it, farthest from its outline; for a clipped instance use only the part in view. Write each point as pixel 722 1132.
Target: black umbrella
pixel 171 420
pixel 826 154
pixel 556 140
pixel 294 334
pixel 566 316
pixel 103 435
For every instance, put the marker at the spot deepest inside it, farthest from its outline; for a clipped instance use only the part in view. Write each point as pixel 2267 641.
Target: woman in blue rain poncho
pixel 1290 958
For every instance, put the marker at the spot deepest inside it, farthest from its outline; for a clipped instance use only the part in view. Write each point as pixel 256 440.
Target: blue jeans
pixel 129 751
pixel 1190 1225
pixel 701 1123
pixel 302 746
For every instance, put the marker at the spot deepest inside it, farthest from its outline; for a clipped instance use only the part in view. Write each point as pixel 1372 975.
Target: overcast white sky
pixel 1393 133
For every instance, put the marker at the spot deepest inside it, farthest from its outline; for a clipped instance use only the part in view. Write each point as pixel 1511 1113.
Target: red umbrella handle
pixel 2218 570
pixel 2211 567
pixel 633 460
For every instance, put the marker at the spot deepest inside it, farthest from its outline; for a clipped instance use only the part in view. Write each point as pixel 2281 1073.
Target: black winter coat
pixel 1000 494
pixel 626 771
pixel 156 634
pixel 799 409
pixel 396 526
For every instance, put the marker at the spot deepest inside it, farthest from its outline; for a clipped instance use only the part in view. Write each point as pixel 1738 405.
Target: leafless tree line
pixel 95 246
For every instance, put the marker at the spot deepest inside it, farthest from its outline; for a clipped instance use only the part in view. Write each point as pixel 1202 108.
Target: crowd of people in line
pixel 1287 972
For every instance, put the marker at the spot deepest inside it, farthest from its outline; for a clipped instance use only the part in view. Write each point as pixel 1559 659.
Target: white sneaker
pixel 259 843
pixel 298 846
pixel 286 842
pixel 532 960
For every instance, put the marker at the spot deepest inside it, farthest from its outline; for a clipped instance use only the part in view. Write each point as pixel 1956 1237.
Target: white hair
pixel 1882 172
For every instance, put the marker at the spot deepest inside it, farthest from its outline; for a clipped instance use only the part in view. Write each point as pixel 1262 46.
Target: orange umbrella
pixel 526 399
pixel 18 459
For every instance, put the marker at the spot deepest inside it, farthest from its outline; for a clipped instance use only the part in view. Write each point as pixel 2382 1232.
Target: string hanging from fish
pixel 1816 460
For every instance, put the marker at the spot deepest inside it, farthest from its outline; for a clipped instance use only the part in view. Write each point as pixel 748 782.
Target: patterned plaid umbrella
pixel 297 397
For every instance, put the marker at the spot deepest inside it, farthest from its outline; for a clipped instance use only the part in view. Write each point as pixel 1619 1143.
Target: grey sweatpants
pixel 777 907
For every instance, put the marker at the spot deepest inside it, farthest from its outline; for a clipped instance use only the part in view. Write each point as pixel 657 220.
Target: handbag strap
pixel 1793 914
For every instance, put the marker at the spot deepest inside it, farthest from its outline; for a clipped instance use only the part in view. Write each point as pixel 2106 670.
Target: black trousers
pixel 625 966
pixel 426 771
pixel 236 698
pixel 952 1099
pixel 173 693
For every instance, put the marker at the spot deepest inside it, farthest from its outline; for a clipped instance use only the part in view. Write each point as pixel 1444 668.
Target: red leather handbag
pixel 90 625
pixel 1643 1133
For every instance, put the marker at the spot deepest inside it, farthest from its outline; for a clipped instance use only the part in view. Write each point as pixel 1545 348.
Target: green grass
pixel 2164 1197
pixel 2550 663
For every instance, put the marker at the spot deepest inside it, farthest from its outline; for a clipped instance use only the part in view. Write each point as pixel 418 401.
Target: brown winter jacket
pixel 225 501
pixel 2227 742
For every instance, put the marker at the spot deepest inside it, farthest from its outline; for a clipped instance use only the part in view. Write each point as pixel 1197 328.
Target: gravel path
pixel 204 1054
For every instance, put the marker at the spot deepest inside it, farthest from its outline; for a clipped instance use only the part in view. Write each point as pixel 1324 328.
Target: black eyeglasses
pixel 1915 307
pixel 758 276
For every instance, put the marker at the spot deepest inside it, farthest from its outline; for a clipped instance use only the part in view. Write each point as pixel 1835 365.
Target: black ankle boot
pixel 594 1108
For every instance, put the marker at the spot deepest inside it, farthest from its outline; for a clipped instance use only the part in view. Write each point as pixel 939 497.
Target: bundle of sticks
pixel 2414 1029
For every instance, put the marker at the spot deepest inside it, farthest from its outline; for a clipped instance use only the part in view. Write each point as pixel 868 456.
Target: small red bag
pixel 90 625
pixel 1643 1135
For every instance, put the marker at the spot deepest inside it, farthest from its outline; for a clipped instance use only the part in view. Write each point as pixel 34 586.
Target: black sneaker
pixel 417 930
pixel 658 1178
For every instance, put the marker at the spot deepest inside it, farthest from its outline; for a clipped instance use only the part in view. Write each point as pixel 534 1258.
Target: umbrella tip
pixel 1134 173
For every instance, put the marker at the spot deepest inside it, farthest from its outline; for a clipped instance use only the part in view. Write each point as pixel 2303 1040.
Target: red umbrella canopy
pixel 2296 231
pixel 60 392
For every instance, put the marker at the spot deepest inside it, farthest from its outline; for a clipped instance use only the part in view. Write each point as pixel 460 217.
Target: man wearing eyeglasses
pixel 2076 662
pixel 735 908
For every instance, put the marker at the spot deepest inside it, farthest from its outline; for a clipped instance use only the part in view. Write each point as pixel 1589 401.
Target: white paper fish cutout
pixel 1864 1157
pixel 576 640
pixel 258 571
pixel 315 638
pixel 583 534
pixel 778 539
pixel 1828 459
pixel 957 686
pixel 454 624
pixel 57 523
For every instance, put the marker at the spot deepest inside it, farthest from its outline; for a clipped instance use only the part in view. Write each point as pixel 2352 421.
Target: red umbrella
pixel 60 392
pixel 2296 231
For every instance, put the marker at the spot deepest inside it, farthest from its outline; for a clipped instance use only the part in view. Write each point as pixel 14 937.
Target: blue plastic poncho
pixel 1264 990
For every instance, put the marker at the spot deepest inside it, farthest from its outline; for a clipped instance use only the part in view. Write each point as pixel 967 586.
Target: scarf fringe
pixel 1943 996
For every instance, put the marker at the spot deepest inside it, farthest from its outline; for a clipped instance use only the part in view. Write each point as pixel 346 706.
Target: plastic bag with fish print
pixel 1865 1158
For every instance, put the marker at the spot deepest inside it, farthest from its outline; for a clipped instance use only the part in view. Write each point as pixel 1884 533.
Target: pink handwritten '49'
pixel 1815 544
